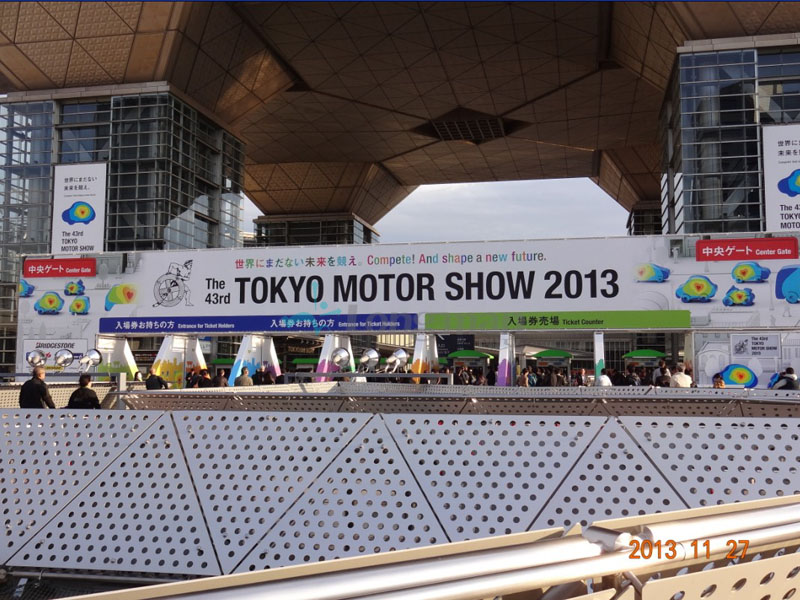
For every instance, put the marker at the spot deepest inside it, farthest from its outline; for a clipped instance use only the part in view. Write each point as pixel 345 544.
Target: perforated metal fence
pixel 210 492
pixel 59 391
pixel 416 399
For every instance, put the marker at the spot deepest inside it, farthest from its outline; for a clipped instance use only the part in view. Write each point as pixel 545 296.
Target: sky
pixel 509 210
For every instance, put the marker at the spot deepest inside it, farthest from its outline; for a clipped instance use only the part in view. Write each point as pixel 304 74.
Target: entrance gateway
pixel 734 299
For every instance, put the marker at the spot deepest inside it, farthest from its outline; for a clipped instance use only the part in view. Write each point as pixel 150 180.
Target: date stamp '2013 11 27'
pixel 658 549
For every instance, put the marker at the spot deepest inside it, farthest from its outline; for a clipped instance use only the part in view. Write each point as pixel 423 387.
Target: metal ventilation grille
pixel 690 408
pixel 400 405
pixel 262 403
pixel 473 130
pixel 537 407
pixel 463 124
pixel 175 402
pixel 716 461
pixel 613 478
pixel 47 457
pixel 141 514
pixel 365 502
pixel 490 475
pixel 273 458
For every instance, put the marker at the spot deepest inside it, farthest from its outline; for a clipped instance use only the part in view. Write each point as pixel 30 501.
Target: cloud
pixel 503 211
pixel 506 210
pixel 249 213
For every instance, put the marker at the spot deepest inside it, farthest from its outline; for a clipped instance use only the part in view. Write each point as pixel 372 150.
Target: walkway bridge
pixel 198 483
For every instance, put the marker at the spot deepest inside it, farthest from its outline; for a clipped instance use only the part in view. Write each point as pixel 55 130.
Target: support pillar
pixel 426 355
pixel 599 353
pixel 177 355
pixel 255 351
pixel 331 343
pixel 506 368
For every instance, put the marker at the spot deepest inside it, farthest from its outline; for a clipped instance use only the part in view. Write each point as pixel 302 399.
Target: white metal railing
pixel 492 572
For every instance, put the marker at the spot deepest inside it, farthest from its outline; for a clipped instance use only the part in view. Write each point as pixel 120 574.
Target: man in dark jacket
pixel 154 382
pixel 205 379
pixel 34 392
pixel 787 381
pixel 220 380
pixel 84 396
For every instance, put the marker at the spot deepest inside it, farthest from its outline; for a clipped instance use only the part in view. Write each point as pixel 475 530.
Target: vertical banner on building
pixel 781 177
pixel 506 368
pixel 79 208
pixel 599 353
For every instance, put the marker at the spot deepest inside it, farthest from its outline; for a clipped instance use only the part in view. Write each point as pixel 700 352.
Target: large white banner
pixel 781 152
pixel 592 284
pixel 79 208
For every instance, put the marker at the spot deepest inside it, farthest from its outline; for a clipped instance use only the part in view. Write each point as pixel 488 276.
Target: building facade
pixel 175 178
pixel 716 105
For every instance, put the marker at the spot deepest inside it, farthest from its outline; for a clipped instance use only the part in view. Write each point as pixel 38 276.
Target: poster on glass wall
pixel 782 177
pixel 79 208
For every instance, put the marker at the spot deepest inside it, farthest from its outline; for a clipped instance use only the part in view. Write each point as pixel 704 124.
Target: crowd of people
pixel 35 394
pixel 661 376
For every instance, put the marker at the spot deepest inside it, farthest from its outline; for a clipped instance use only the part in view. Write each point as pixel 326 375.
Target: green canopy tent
pixel 222 361
pixel 470 358
pixel 470 354
pixel 553 358
pixel 305 364
pixel 643 358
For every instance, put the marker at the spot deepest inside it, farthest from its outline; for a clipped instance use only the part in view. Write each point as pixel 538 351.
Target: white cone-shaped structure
pixel 117 356
pixel 426 355
pixel 331 343
pixel 255 351
pixel 177 355
pixel 506 368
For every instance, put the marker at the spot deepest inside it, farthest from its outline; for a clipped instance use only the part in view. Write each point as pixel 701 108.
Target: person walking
pixel 84 396
pixel 680 379
pixel 663 379
pixel 603 380
pixel 154 382
pixel 205 379
pixel 219 379
pixel 34 392
pixel 631 378
pixel 662 364
pixel 244 379
pixel 787 381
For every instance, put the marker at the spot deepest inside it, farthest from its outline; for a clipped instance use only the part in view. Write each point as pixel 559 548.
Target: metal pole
pixel 372 580
pixel 89 577
pixel 705 527
pixel 535 578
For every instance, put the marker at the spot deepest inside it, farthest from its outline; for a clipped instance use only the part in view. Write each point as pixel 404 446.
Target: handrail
pixel 503 570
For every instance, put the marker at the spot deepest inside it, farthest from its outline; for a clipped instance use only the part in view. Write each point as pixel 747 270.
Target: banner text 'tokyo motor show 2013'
pixel 626 283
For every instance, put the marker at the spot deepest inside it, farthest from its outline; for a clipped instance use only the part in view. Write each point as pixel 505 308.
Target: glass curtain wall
pixel 719 137
pixel 26 131
pixel 175 180
pixel 712 180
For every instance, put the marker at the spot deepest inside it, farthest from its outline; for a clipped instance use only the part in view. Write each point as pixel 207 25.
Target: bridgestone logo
pixel 55 345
